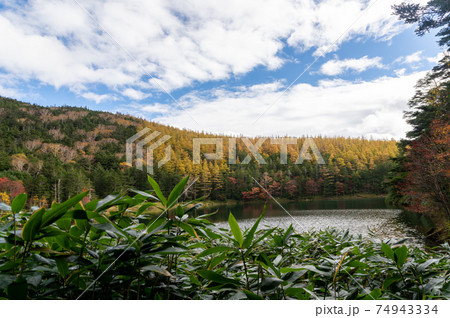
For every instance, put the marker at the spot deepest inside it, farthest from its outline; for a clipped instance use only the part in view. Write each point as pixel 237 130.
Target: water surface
pixel 366 217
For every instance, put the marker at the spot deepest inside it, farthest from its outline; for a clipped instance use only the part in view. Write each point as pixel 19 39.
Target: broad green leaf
pixel 82 224
pixel 57 211
pixel 104 203
pixel 156 225
pixel 158 192
pixel 194 280
pixel 63 241
pixel 18 203
pixel 180 211
pixel 79 214
pixel 252 296
pixel 217 278
pixel 206 215
pixel 144 194
pixel 356 263
pixel 259 239
pixel 387 250
pixel 31 228
pixel 217 260
pixel 196 200
pixel 308 267
pixel 170 250
pixel 298 292
pixel 212 235
pixel 251 234
pixel 400 255
pixel 64 224
pixel 194 208
pixel 62 266
pixel 153 228
pixel 110 227
pixel 269 263
pixel 187 228
pixel 8 265
pixel 269 284
pixel 4 227
pixel 50 231
pixel 422 267
pixel 176 192
pixel 288 234
pixel 235 230
pixel 213 250
pixel 144 207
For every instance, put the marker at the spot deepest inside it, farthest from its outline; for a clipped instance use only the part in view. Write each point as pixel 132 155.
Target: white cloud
pixel 9 87
pixel 413 58
pixel 436 58
pixel 98 98
pixel 135 94
pixel 400 72
pixel 333 108
pixel 9 92
pixel 326 24
pixel 178 42
pixel 155 108
pixel 336 66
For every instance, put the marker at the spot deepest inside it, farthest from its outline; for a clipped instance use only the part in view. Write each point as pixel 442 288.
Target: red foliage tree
pixel 427 184
pixel 255 193
pixel 291 188
pixel 339 188
pixel 311 187
pixel 13 188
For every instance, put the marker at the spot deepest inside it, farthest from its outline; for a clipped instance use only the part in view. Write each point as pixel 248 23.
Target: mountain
pixel 53 153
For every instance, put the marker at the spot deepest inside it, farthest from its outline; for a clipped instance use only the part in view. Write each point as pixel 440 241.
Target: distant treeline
pixel 53 153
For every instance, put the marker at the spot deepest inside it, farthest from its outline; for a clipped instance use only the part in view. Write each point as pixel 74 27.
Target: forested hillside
pixel 420 180
pixel 53 153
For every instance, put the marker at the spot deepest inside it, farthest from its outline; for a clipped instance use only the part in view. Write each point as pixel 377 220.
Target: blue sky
pixel 220 66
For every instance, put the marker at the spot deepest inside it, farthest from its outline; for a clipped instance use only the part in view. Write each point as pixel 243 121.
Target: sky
pixel 240 67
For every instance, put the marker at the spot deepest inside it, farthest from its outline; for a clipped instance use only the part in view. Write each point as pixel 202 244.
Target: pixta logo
pixel 150 145
pixel 308 148
pixel 304 154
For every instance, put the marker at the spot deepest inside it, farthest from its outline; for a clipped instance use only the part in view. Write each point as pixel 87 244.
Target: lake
pixel 366 217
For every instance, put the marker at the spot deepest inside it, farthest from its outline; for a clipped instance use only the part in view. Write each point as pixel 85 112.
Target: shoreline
pixel 209 204
pixel 361 196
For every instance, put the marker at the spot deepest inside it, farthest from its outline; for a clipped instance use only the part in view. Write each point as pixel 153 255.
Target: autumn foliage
pixel 427 184
pixel 11 188
pixel 57 152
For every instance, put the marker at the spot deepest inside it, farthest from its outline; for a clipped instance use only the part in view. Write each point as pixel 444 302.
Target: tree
pixel 421 174
pixel 427 183
pixel 19 161
pixel 11 187
pixel 434 15
pixel 205 179
pixel 217 181
pixel 311 188
pixel 32 145
pixel 74 181
pixel 339 188
pixel 291 189
pixel 430 100
pixel 56 140
pixel 4 161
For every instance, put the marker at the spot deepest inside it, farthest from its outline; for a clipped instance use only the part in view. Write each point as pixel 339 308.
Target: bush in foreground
pixel 110 249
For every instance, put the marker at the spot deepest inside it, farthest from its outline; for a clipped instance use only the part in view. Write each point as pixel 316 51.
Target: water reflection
pixel 366 217
pixel 252 210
